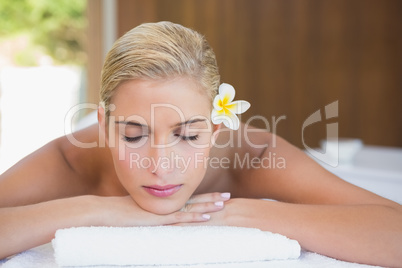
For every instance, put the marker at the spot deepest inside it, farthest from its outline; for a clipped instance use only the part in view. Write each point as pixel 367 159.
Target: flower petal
pixel 217 103
pixel 238 107
pixel 217 117
pixel 227 93
pixel 231 121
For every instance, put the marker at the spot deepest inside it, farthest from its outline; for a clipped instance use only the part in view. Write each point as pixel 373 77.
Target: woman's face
pixel 160 134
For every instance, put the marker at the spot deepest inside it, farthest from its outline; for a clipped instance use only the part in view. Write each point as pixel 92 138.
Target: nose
pixel 162 162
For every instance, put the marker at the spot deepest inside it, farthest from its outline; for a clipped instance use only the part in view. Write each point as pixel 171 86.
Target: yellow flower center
pixel 225 106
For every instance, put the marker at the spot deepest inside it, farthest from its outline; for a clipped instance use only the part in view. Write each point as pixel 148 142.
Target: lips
pixel 162 191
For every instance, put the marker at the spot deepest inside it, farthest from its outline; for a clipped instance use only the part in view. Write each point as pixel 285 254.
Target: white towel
pixel 169 245
pixel 43 257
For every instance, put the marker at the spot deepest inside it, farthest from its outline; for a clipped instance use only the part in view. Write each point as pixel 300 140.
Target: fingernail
pixel 219 203
pixel 225 195
pixel 206 216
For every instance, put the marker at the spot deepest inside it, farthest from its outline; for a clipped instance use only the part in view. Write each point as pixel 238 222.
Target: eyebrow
pixel 131 123
pixel 188 122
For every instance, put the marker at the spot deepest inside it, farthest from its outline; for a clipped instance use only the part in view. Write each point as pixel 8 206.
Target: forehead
pixel 170 100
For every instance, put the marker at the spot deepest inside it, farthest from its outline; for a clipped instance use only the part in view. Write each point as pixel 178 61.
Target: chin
pixel 162 206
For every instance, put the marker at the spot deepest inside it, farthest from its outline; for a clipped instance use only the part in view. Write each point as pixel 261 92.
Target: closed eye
pixel 186 138
pixel 133 139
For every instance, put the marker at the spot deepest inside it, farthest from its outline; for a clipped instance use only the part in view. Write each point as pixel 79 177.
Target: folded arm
pixel 324 213
pixel 25 227
pixel 369 234
pixel 58 187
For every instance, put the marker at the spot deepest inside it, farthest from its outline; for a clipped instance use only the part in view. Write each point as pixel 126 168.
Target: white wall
pixel 33 104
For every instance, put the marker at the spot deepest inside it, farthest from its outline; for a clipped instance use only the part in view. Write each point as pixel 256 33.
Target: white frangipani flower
pixel 225 109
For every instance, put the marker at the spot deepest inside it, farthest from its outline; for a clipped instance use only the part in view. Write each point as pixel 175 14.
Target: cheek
pixel 183 160
pixel 126 161
pixel 195 154
pixel 193 163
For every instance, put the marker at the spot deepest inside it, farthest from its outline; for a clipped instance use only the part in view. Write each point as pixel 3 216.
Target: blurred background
pixel 293 57
pixel 42 72
pixel 286 57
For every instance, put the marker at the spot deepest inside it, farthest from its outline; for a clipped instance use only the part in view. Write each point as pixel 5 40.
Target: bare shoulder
pixel 58 169
pixel 86 154
pixel 283 172
pixel 229 157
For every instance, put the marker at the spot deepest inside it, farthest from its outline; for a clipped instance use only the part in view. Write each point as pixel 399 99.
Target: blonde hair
pixel 159 51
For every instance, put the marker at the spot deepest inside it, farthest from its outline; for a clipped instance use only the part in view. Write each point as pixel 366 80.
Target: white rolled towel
pixel 169 245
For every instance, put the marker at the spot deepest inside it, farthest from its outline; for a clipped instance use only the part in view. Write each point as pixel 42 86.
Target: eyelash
pixel 133 139
pixel 184 138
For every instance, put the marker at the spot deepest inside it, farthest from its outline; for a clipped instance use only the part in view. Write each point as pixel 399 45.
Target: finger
pixel 209 197
pixel 193 223
pixel 186 217
pixel 203 207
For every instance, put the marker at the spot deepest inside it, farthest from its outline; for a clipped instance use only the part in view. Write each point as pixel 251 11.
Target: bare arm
pixel 38 194
pixel 369 234
pixel 58 187
pixel 49 173
pixel 324 213
pixel 29 226
pixel 27 217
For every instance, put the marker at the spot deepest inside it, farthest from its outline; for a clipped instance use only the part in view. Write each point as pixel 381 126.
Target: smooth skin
pixel 62 185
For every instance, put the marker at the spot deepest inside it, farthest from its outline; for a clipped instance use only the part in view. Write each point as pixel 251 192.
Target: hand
pixel 236 212
pixel 123 211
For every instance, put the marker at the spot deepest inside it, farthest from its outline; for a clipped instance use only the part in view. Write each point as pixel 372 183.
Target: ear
pixel 102 125
pixel 216 127
pixel 215 132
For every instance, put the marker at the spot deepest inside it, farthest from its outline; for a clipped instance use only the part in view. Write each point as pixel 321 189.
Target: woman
pixel 160 160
